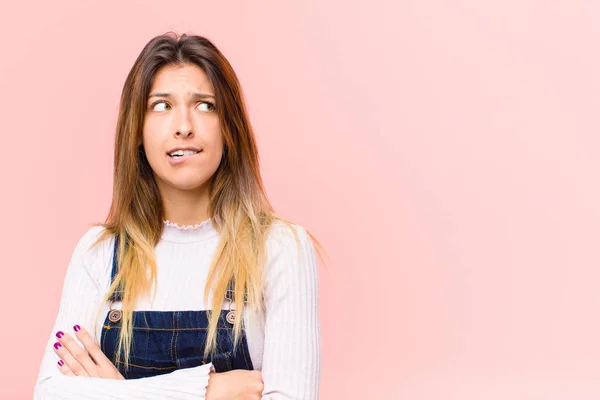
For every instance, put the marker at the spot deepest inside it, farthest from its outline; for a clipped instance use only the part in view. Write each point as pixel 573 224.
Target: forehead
pixel 181 78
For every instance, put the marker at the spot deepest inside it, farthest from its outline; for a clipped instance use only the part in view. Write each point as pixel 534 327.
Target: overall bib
pixel 164 341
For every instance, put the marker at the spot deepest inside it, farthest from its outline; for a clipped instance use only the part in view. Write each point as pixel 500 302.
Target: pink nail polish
pixel 61 362
pixel 57 345
pixel 76 328
pixel 59 334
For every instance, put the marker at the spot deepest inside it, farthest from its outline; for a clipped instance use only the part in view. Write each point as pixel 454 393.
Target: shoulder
pixel 283 235
pixel 89 243
pixel 93 248
pixel 291 268
pixel 290 242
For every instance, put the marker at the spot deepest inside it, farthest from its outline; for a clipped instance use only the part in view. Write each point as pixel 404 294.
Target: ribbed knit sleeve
pixel 291 365
pixel 79 304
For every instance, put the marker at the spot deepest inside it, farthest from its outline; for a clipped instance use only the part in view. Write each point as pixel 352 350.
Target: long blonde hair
pixel 238 206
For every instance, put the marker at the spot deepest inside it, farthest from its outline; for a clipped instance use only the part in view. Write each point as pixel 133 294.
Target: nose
pixel 183 124
pixel 183 132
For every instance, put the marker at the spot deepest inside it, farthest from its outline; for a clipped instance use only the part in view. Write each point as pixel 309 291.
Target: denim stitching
pixel 176 339
pixel 178 329
pixel 172 337
pixel 227 356
pixel 104 333
pixel 141 366
pixel 244 352
pixel 168 329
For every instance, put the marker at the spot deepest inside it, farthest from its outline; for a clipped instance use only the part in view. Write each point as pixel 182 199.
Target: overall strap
pixel 116 296
pixel 230 292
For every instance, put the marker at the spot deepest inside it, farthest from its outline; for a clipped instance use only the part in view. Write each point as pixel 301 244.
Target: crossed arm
pixel 291 358
pixel 79 303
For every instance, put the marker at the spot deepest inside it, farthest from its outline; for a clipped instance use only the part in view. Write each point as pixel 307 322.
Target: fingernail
pixel 57 345
pixel 59 334
pixel 61 362
pixel 77 328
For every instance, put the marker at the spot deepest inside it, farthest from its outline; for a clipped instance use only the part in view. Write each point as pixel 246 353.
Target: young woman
pixel 189 230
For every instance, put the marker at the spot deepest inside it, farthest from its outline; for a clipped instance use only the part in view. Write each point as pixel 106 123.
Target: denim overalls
pixel 164 341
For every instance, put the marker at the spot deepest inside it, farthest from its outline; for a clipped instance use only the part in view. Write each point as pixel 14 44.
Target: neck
pixel 185 207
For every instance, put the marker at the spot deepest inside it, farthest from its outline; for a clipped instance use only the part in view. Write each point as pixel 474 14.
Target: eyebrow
pixel 193 95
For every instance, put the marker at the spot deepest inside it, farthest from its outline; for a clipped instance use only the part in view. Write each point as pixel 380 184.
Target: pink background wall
pixel 445 152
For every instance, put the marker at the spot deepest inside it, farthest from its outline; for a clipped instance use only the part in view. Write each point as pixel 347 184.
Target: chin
pixel 186 185
pixel 180 184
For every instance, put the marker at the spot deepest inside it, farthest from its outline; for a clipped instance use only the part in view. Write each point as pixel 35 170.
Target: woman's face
pixel 180 114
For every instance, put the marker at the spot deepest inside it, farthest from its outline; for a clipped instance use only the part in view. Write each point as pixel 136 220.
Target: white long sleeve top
pixel 286 348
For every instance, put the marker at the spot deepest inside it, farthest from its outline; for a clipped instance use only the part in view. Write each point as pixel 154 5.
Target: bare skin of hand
pixel 77 361
pixel 238 384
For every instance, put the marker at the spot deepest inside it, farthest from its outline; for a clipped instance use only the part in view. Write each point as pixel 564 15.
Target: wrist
pixel 213 383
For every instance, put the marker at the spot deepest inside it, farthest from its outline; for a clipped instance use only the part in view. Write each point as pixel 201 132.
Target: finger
pixel 105 367
pixel 91 346
pixel 79 354
pixel 72 363
pixel 64 368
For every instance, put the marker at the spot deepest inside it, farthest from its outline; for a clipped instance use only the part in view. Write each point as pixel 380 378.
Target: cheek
pixel 214 136
pixel 209 133
pixel 152 145
pixel 216 150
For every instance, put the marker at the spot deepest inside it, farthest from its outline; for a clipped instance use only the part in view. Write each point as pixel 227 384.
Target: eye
pixel 206 106
pixel 162 103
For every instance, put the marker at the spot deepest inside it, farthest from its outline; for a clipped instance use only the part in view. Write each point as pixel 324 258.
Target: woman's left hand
pixel 77 361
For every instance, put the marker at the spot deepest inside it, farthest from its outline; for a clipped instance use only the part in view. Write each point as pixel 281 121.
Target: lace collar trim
pixel 186 227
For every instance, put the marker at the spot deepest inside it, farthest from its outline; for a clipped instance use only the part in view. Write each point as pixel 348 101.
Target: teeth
pixel 180 153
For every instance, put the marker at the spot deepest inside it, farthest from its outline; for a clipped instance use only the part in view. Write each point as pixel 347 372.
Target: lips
pixel 184 148
pixel 181 153
pixel 181 156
